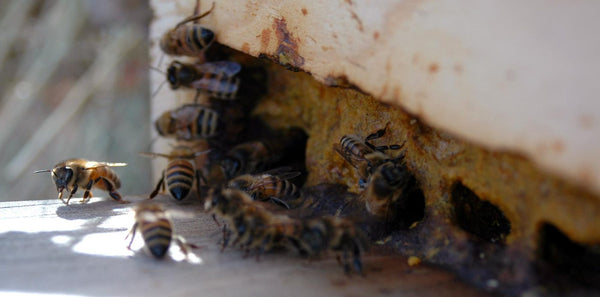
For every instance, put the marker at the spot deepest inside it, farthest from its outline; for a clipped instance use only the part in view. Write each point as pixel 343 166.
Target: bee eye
pixel 172 77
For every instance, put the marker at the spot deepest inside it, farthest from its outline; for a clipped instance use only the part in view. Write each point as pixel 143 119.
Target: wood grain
pixel 47 247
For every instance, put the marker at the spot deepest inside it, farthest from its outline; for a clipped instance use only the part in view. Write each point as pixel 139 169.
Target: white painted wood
pixel 517 76
pixel 49 248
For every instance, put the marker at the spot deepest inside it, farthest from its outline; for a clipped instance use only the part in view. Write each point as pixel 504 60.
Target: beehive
pixel 503 200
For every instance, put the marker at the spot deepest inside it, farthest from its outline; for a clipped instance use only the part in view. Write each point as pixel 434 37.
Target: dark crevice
pixel 478 217
pixel 558 253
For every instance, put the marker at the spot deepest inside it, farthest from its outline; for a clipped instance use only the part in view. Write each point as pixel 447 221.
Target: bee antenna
pixel 158 89
pixel 195 17
pixel 157 69
pixel 44 170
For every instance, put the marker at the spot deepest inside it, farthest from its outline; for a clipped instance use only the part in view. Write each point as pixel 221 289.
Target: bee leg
pixel 226 236
pixel 161 183
pixel 111 190
pixel 216 222
pixel 132 233
pixel 184 246
pixel 356 260
pixel 345 261
pixel 87 195
pixel 279 202
pixel 72 193
pixel 197 96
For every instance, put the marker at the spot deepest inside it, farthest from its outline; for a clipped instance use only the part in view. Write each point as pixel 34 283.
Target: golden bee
pixel 74 173
pixel 362 154
pixel 180 173
pixel 217 79
pixel 273 185
pixel 321 234
pixel 188 39
pixel 189 122
pixel 156 228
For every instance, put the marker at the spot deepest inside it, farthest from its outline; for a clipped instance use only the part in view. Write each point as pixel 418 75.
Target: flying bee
pixel 362 154
pixel 273 185
pixel 189 122
pixel 217 79
pixel 321 234
pixel 180 172
pixel 74 173
pixel 190 39
pixel 156 228
pixel 388 187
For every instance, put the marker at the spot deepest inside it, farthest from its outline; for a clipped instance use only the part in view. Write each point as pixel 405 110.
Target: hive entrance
pixel 478 217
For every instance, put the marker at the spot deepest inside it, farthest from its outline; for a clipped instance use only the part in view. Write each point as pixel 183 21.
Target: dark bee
pixel 321 234
pixel 362 154
pixel 252 226
pixel 272 185
pixel 188 40
pixel 387 188
pixel 157 230
pixel 217 79
pixel 180 173
pixel 259 155
pixel 74 173
pixel 189 122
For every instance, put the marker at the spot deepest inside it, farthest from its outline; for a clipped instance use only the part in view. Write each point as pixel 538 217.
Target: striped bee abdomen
pixel 157 236
pixel 207 123
pixel 179 178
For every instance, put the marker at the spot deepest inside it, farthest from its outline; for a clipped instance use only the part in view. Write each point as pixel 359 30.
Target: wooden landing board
pixel 49 248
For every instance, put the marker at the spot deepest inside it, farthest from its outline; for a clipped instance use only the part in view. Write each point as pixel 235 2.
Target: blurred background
pixel 74 84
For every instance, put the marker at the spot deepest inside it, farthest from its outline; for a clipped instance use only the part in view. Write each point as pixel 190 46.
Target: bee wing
pixel 94 164
pixel 153 155
pixel 281 171
pixel 354 160
pixel 216 85
pixel 227 68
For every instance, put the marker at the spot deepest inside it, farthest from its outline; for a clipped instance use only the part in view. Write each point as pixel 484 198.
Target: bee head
pixel 231 166
pixel 172 74
pixel 62 176
pixel 165 124
pixel 240 183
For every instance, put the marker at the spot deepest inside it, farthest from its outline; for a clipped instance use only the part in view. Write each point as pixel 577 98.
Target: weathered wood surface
pixel 50 248
pixel 518 76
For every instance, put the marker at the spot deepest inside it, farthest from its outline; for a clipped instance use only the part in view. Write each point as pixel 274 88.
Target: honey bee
pixel 188 40
pixel 387 186
pixel 362 154
pixel 273 185
pixel 217 79
pixel 180 172
pixel 259 155
pixel 156 228
pixel 321 234
pixel 74 173
pixel 189 122
pixel 252 226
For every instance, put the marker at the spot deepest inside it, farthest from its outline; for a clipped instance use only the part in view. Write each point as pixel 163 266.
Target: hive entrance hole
pixel 580 262
pixel 478 217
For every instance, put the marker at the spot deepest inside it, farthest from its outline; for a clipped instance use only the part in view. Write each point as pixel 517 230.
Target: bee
pixel 74 173
pixel 218 79
pixel 320 234
pixel 259 155
pixel 387 186
pixel 156 228
pixel 189 122
pixel 252 226
pixel 180 172
pixel 273 185
pixel 188 40
pixel 362 154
